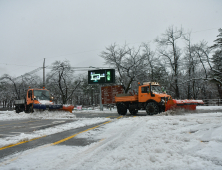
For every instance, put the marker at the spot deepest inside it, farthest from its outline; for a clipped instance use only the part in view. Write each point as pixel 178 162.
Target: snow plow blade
pixel 68 108
pixel 53 107
pixel 47 107
pixel 183 104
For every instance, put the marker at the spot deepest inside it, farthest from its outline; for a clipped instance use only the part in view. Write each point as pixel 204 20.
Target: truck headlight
pixel 163 100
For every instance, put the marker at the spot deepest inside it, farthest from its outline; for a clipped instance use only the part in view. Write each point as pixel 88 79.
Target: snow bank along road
pixel 171 140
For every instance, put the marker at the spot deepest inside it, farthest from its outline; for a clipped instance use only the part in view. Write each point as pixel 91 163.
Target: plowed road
pixel 15 127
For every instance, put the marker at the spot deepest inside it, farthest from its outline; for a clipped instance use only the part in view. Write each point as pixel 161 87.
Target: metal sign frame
pixel 102 76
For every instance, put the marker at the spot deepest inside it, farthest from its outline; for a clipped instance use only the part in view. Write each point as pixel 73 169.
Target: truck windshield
pixel 42 94
pixel 156 89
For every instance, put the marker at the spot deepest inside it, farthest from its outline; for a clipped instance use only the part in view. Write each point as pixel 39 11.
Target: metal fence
pixel 212 102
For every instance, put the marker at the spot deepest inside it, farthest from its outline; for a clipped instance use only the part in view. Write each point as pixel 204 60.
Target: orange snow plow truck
pixel 152 99
pixel 38 99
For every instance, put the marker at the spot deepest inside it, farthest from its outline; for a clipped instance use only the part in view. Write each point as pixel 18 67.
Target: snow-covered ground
pixel 173 140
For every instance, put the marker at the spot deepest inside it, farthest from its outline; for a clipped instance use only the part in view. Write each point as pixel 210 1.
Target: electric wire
pixel 95 50
pixel 77 68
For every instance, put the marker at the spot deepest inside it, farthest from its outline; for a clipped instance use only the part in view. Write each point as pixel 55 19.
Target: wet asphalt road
pixel 12 128
pixel 49 140
pixel 15 127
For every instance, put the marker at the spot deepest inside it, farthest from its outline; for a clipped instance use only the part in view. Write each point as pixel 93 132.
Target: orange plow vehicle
pixel 152 99
pixel 39 99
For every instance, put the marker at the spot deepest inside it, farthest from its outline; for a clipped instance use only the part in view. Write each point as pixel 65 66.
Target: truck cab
pixel 38 99
pixel 35 96
pixel 150 98
pixel 151 91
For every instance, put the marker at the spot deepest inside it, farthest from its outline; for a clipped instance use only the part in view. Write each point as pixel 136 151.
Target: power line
pixel 96 49
pixel 205 30
pixel 50 67
pixel 18 65
pixel 74 53
pixel 86 68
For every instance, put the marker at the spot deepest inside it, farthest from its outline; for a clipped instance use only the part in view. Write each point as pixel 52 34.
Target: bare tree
pixel 170 51
pixel 6 76
pixel 15 88
pixel 61 81
pixel 191 63
pixel 155 67
pixel 151 60
pixel 7 93
pixel 216 69
pixel 202 51
pixel 128 62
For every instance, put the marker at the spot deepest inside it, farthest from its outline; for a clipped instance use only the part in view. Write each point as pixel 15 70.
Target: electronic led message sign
pixel 103 76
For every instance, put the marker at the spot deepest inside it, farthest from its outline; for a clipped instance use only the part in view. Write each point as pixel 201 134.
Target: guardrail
pixel 212 102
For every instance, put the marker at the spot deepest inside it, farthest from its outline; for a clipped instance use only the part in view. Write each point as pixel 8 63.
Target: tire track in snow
pixel 99 150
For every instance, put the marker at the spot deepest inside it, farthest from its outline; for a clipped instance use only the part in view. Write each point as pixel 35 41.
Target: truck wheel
pixel 17 110
pixel 133 111
pixel 29 109
pixel 152 108
pixel 121 108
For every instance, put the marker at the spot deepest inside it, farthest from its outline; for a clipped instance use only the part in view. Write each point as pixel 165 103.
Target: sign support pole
pixel 44 73
pixel 100 98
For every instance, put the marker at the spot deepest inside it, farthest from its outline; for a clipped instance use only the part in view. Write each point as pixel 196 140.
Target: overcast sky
pixel 79 30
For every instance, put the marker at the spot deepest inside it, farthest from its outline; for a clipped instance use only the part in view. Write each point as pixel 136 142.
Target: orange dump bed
pixel 126 98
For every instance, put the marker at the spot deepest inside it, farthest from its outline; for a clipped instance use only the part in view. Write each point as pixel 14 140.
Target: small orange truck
pixel 38 99
pixel 151 98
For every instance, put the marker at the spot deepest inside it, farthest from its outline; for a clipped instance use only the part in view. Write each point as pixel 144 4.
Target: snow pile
pixel 209 108
pixel 12 115
pixel 45 102
pixel 96 110
pixel 190 141
pixel 172 112
pixel 172 142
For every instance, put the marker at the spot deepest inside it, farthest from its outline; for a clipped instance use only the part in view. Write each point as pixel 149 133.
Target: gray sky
pixel 78 30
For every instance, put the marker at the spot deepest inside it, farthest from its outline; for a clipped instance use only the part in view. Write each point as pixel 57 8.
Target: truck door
pixel 29 97
pixel 144 94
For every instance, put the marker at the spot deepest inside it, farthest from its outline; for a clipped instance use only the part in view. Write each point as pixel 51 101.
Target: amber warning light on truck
pixel 102 76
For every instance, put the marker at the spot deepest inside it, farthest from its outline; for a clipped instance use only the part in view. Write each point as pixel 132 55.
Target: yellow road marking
pixel 9 146
pixel 111 116
pixel 70 137
pixel 55 143
pixel 60 141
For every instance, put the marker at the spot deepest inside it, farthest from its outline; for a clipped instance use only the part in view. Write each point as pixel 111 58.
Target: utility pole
pixel 44 73
pixel 23 86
